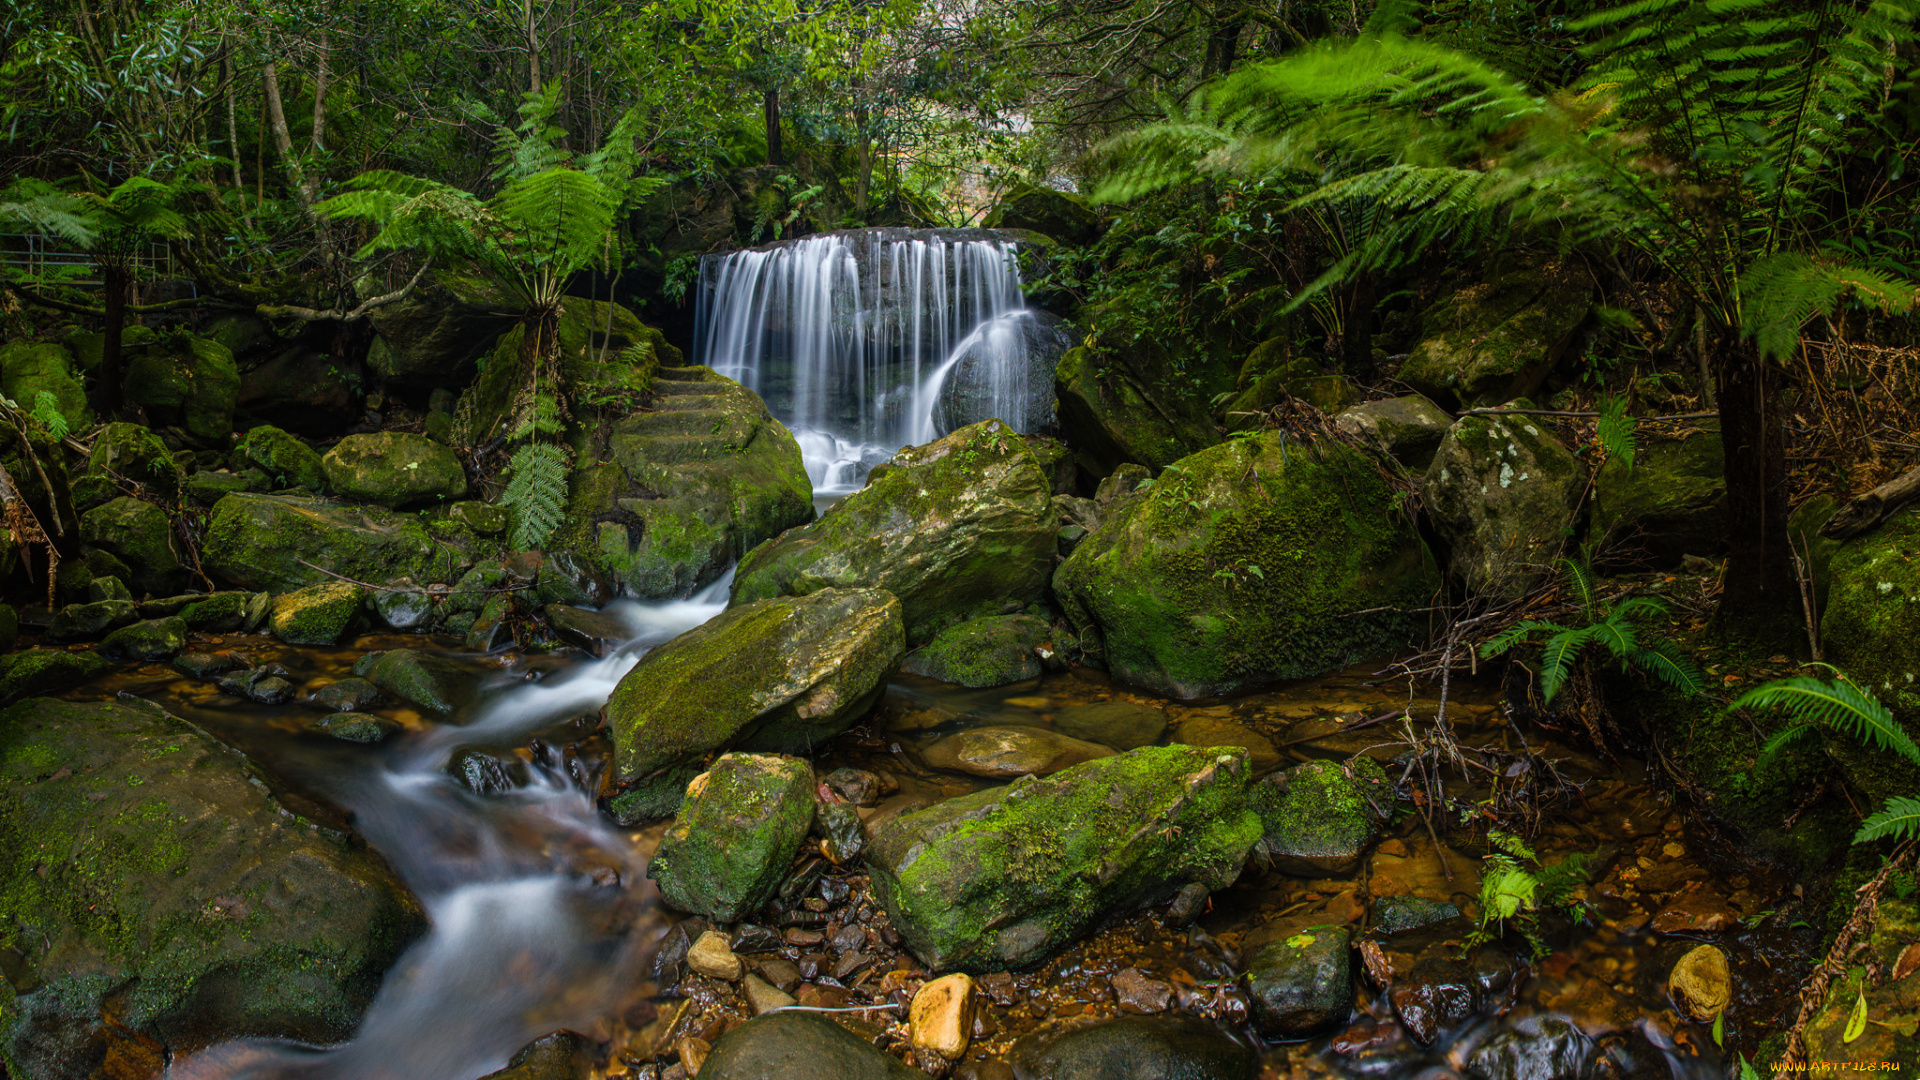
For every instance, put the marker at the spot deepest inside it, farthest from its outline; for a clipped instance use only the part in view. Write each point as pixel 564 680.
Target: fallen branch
pixel 1578 413
pixel 294 311
pixel 1866 511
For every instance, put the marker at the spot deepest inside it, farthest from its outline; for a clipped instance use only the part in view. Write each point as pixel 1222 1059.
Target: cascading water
pixel 848 335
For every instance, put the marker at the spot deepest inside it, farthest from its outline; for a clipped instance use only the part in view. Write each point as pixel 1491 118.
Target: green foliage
pixel 536 493
pixel 1515 888
pixel 1612 627
pixel 46 410
pixel 1819 705
pixel 1614 430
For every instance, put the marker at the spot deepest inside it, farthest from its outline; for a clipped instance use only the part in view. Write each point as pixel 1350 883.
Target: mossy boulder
pixel 1495 340
pixel 1871 631
pixel 1058 215
pixel 1318 818
pixel 393 469
pixel 788 1044
pixel 1301 979
pixel 781 676
pixel 1407 429
pixel 322 614
pixel 608 359
pixel 149 639
pixel 1671 502
pixel 991 651
pixel 46 671
pixel 1502 490
pixel 434 683
pixel 678 493
pixel 1004 877
pixel 218 612
pixel 138 534
pixel 284 458
pixel 267 542
pixel 154 893
pixel 84 622
pixel 129 453
pixel 1251 562
pixel 187 382
pixel 1119 404
pixel 28 369
pixel 1004 370
pixel 433 336
pixel 209 486
pixel 956 529
pixel 735 836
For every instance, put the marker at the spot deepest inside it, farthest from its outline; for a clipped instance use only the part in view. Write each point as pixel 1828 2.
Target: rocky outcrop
pixel 1004 371
pixel 1496 340
pixel 1501 490
pixel 683 490
pixel 1058 215
pixel 29 369
pixel 1248 563
pixel 286 460
pixel 1407 429
pixel 1003 877
pixel 185 382
pixel 1871 631
pixel 1669 503
pixel 781 675
pixel 956 529
pixel 139 535
pixel 279 543
pixel 433 336
pixel 394 469
pixel 184 905
pixel 1120 404
pixel 736 833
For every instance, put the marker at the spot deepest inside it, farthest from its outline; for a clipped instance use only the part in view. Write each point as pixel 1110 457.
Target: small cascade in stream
pixel 848 335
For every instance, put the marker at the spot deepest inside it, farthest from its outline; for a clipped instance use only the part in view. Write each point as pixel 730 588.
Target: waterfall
pixel 844 334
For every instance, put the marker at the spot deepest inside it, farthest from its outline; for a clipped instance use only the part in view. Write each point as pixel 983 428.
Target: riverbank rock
pixel 139 535
pixel 322 614
pixel 186 382
pixel 1671 503
pixel 286 460
pixel 1498 339
pixel 1003 877
pixel 1318 818
pixel 1135 1048
pixel 1003 753
pixel 799 1046
pixel 736 833
pixel 1407 429
pixel 46 671
pixel 152 639
pixel 85 622
pixel 394 469
pixel 956 529
pixel 1501 489
pixel 1004 371
pixel 1105 412
pixel 267 542
pixel 780 675
pixel 685 489
pixel 131 453
pixel 1700 982
pixel 1249 563
pixel 185 905
pixel 434 683
pixel 1301 980
pixel 1532 1046
pixel 1871 631
pixel 992 651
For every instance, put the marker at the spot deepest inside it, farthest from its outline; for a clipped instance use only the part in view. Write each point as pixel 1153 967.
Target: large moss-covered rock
pixel 186 381
pixel 1670 502
pixel 1495 340
pixel 1060 215
pixel 676 494
pixel 433 336
pixel 1004 371
pixel 780 675
pixel 1501 490
pixel 737 831
pixel 1871 631
pixel 320 614
pixel 1003 877
pixel 266 542
pixel 128 453
pixel 28 369
pixel 154 897
pixel 792 1045
pixel 1320 817
pixel 46 671
pixel 139 534
pixel 393 469
pixel 1407 428
pixel 284 458
pixel 1246 565
pixel 956 529
pixel 1129 404
pixel 991 651
pixel 150 639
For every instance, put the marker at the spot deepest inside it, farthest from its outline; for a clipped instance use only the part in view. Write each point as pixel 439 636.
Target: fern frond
pixel 1899 818
pixel 1780 741
pixel 1635 606
pixel 560 219
pixel 536 493
pixel 1621 637
pixel 1556 660
pixel 1614 430
pixel 1784 290
pixel 46 409
pixel 1518 634
pixel 1838 704
pixel 1668 664
pixel 1579 578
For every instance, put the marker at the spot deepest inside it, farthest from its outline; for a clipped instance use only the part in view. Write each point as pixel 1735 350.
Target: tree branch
pixel 292 311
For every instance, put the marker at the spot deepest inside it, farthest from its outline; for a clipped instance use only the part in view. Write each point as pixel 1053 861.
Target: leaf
pixel 1857 1019
pixel 1300 941
pixel 1900 817
pixel 1840 703
pixel 1720 1028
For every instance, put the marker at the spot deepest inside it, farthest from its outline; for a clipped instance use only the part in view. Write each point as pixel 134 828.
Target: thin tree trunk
pixel 283 140
pixel 321 77
pixel 107 388
pixel 1759 600
pixel 1356 335
pixel 863 164
pixel 772 103
pixel 528 28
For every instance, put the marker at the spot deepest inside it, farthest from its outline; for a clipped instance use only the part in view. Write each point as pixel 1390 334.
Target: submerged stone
pixel 791 1045
pixel 434 683
pixel 356 727
pixel 1002 753
pixel 347 695
pixel 735 836
pixel 1119 724
pixel 1136 1048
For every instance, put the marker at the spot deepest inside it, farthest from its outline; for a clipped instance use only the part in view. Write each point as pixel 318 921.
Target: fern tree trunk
pixel 1760 597
pixel 106 390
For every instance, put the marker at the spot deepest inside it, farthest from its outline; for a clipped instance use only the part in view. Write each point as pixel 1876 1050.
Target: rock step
pixel 677 449
pixel 685 380
pixel 691 420
pixel 685 402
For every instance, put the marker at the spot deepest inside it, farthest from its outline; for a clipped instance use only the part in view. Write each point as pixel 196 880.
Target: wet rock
pixel 1138 994
pixel 857 786
pixel 1320 817
pixel 84 622
pixel 188 906
pixel 347 695
pixel 1004 370
pixel 1215 731
pixel 1501 489
pixel 980 540
pixel 794 1045
pixel 562 1055
pixel 1394 914
pixel 154 639
pixel 1319 529
pixel 1108 414
pixel 1301 980
pixel 843 836
pixel 434 683
pixel 992 651
pixel 1135 1048
pixel 1407 429
pixel 710 955
pixel 1119 724
pixel 286 460
pixel 1532 1048
pixel 394 469
pixel 1091 841
pixel 276 542
pixel 46 671
pixel 736 833
pixel 480 517
pixel 184 381
pixel 1701 983
pixel 487 772
pixel 216 612
pixel 206 665
pixel 762 996
pixel 402 608
pixel 1670 503
pixel 1002 753
pixel 594 631
pixel 108 588
pixel 357 727
pixel 779 675
pixel 1187 903
pixel 139 534
pixel 940 1019
pixel 1493 340
pixel 1433 997
pixel 782 974
pixel 321 614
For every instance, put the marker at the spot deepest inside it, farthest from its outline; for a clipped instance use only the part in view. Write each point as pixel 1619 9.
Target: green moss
pixel 268 542
pixel 394 469
pixel 140 534
pixel 1319 817
pixel 188 381
pixel 28 369
pixel 992 651
pixel 320 614
pixel 284 458
pixel 1871 630
pixel 221 611
pixel 735 836
pixel 129 453
pixel 1119 405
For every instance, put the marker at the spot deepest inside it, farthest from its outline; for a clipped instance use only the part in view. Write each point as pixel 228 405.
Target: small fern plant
pixel 1840 704
pixel 536 491
pixel 1612 627
pixel 1516 889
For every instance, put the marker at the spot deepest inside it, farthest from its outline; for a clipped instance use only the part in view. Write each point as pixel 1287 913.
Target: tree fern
pixel 536 493
pixel 46 409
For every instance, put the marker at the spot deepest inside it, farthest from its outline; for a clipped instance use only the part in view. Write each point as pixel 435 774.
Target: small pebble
pixel 941 1018
pixel 713 957
pixel 764 997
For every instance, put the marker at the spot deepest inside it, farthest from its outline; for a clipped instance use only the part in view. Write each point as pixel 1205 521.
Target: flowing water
pixel 847 336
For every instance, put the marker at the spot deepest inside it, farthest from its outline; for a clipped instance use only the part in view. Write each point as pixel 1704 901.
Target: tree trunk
pixel 1356 335
pixel 1760 598
pixel 862 164
pixel 322 72
pixel 772 102
pixel 297 178
pixel 531 31
pixel 107 389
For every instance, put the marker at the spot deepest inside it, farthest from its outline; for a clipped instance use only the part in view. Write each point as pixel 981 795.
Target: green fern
pixel 1819 705
pixel 1614 430
pixel 1613 628
pixel 1899 818
pixel 536 493
pixel 46 409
